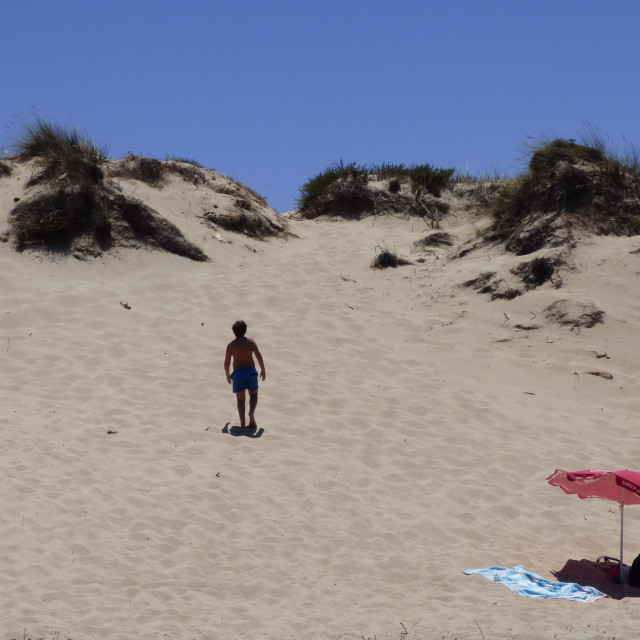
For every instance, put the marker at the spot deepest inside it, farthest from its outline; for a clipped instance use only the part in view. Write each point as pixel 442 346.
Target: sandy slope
pixel 408 428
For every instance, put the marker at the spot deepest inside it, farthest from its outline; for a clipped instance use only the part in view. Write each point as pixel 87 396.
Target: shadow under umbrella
pixel 604 575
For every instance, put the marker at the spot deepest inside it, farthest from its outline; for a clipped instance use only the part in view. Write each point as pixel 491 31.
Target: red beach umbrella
pixel 619 485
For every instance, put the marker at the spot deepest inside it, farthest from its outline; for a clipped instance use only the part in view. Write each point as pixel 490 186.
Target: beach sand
pixel 407 427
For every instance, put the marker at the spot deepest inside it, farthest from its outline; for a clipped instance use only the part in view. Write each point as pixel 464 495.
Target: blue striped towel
pixel 534 586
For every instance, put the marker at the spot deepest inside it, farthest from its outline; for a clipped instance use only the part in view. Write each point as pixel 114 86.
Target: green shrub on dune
pixel 69 163
pixel 77 207
pixel 425 178
pixel 568 186
pixel 348 190
pixel 317 186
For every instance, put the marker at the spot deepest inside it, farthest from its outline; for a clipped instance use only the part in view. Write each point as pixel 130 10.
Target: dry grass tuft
pixel 385 259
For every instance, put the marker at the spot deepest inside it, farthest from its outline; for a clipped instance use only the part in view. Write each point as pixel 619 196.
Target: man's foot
pixel 252 422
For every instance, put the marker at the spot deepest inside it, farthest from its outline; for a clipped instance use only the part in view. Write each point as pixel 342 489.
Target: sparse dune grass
pixel 187 170
pixel 145 169
pixel 154 172
pixel 182 160
pixel 60 152
pixel 422 177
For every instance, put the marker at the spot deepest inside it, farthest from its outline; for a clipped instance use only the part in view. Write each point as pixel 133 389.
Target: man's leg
pixel 240 397
pixel 253 403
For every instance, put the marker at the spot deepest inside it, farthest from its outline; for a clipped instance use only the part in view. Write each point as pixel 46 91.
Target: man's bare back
pixel 241 351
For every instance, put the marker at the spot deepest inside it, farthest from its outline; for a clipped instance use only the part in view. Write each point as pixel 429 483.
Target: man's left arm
pixel 263 370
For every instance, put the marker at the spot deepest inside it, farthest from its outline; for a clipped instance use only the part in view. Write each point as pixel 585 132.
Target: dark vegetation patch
pixel 527 327
pixel 421 177
pixel 436 239
pixel 150 228
pixel 181 160
pixel 601 374
pixel 62 155
pixel 148 170
pixel 53 220
pixel 428 207
pixel 574 313
pixel 534 273
pixel 247 222
pixel 187 171
pixel 480 282
pixel 490 283
pixel 244 204
pixel 340 191
pixel 478 193
pixel 568 186
pixel 385 259
pixel 5 168
pixel 77 208
pixel 346 191
pixel 237 190
pixel 153 171
pixel 394 186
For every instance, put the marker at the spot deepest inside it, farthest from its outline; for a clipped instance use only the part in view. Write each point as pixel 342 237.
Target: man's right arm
pixel 227 363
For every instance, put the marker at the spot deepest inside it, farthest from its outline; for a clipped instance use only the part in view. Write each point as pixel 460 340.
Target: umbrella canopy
pixel 619 485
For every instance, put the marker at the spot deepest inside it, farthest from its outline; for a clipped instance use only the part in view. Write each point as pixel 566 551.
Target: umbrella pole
pixel 621 537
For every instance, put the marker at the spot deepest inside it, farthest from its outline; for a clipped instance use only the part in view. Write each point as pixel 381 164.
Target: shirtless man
pixel 245 375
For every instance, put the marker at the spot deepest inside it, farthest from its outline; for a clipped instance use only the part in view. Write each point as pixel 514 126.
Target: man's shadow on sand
pixel 603 577
pixel 247 432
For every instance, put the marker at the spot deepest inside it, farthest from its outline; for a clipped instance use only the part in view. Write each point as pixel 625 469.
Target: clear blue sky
pixel 272 92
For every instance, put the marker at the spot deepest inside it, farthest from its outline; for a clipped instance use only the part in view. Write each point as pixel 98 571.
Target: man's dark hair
pixel 239 328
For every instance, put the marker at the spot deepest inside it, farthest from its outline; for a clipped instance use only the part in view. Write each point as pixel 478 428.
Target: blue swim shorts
pixel 246 378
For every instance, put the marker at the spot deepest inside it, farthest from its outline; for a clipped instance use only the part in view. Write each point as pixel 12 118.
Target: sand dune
pixel 408 424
